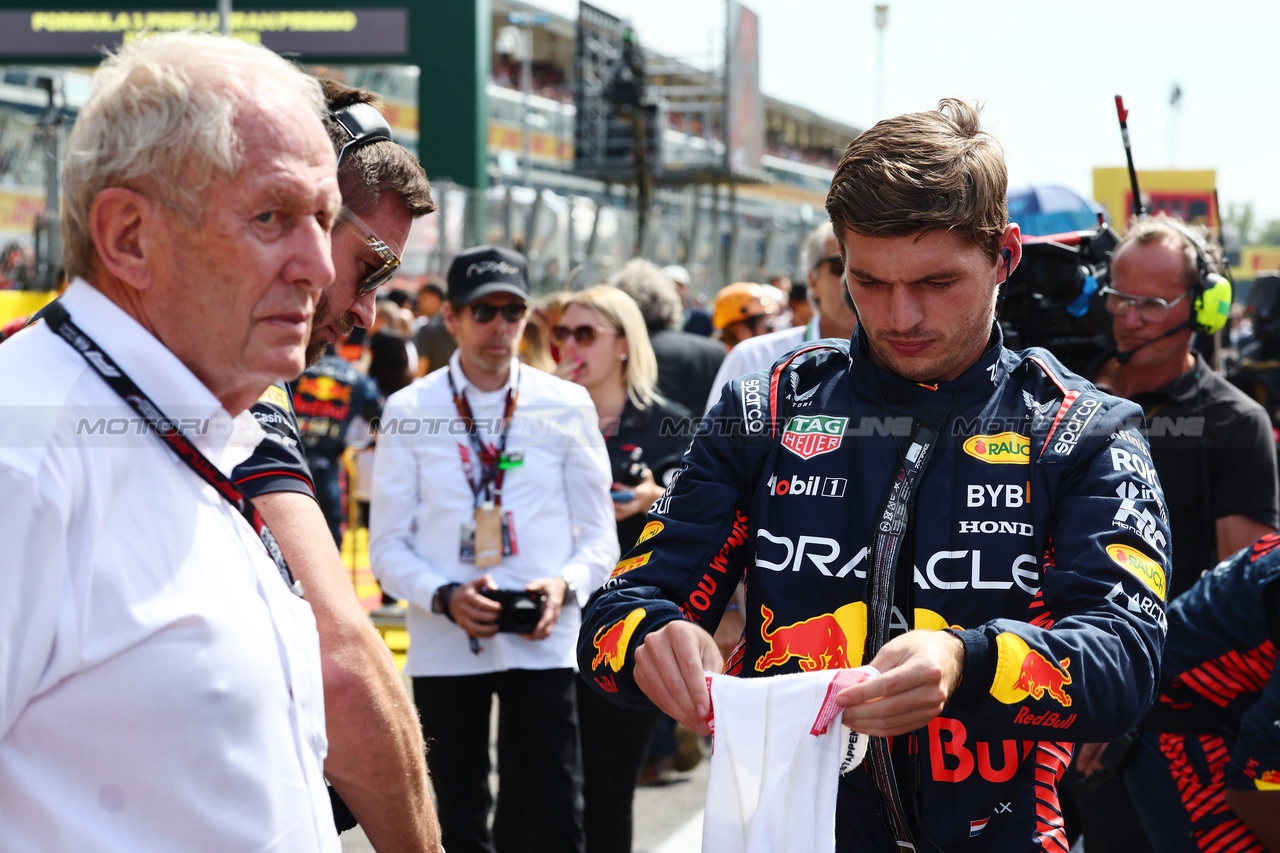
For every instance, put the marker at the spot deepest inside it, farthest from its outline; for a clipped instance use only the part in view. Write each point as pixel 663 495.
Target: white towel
pixel 776 763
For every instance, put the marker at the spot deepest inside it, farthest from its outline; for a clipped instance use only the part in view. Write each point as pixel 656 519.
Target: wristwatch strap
pixel 440 601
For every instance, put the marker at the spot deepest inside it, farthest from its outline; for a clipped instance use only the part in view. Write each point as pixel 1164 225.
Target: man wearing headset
pixel 918 498
pixel 1211 444
pixel 375 760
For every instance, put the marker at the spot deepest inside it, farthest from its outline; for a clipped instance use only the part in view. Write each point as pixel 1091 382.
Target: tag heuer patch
pixel 808 436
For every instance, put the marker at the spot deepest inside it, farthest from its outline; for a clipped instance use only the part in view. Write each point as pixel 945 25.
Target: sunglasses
pixel 584 335
pixel 363 123
pixel 390 260
pixel 484 312
pixel 1152 309
pixel 835 262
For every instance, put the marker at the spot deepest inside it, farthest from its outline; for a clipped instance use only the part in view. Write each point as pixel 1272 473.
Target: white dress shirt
pixel 558 500
pixel 759 353
pixel 160 686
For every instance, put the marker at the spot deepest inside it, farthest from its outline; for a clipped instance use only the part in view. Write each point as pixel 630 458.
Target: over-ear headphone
pixel 1213 291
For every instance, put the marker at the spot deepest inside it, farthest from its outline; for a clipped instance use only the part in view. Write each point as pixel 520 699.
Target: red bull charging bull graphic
pixel 611 642
pixel 1022 672
pixel 827 641
pixel 324 388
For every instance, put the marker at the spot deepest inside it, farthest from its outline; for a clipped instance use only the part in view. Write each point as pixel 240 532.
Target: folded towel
pixel 777 760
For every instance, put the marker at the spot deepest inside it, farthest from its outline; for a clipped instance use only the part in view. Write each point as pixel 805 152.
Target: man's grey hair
pixel 1160 228
pixel 815 244
pixel 653 292
pixel 161 120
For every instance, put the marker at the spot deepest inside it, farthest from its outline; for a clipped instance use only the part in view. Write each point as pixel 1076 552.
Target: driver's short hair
pixel 924 172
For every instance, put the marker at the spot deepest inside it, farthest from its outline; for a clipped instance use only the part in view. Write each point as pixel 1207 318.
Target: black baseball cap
pixel 483 270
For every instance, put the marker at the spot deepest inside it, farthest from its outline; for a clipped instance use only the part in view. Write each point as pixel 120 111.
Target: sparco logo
pixel 752 406
pixel 501 267
pixel 1074 426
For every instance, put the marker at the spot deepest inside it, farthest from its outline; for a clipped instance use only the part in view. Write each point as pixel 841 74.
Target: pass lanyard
pixel 489 489
pixel 892 526
pixel 60 322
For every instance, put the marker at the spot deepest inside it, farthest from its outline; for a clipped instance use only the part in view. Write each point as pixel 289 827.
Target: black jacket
pixel 1038 534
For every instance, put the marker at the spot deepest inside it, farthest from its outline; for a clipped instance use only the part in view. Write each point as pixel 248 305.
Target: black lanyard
pixel 60 322
pixel 892 525
pixel 489 489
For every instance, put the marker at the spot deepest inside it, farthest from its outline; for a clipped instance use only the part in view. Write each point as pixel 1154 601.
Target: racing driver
pixel 982 526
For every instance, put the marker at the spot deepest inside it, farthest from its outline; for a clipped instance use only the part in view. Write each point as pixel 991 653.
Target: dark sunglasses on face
pixel 584 335
pixel 390 260
pixel 484 312
pixel 835 262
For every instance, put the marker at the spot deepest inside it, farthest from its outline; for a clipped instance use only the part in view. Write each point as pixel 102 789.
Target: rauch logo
pixel 1006 448
pixel 808 437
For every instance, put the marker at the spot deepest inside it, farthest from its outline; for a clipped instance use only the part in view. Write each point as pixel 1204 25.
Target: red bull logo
pixel 827 641
pixel 1023 672
pixel 611 643
pixel 324 388
pixel 1268 780
pixel 1038 675
pixel 1006 448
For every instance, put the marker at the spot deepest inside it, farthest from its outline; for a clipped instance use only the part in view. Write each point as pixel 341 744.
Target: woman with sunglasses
pixel 604 347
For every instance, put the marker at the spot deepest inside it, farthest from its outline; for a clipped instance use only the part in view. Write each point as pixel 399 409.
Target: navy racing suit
pixel 1038 534
pixel 1214 726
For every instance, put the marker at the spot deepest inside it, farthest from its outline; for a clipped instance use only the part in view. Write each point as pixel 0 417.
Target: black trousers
pixel 539 764
pixel 615 742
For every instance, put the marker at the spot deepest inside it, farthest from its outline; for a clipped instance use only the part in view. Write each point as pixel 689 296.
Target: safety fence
pixel 577 240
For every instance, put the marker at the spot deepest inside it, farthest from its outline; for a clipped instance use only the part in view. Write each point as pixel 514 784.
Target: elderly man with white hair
pixel 160 679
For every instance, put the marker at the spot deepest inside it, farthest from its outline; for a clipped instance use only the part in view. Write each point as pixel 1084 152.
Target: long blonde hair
pixel 617 309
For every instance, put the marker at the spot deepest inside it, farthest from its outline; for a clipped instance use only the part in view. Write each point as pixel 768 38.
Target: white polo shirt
pixel 558 499
pixel 160 686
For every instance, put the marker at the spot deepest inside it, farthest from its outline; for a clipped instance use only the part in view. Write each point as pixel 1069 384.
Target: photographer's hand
pixel 474 613
pixel 554 589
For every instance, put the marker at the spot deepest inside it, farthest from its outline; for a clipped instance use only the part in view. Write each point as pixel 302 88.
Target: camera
pixel 521 609
pixel 627 474
pixel 1051 300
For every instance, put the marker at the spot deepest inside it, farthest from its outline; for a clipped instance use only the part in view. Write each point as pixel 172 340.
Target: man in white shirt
pixel 493 476
pixel 160 683
pixel 834 319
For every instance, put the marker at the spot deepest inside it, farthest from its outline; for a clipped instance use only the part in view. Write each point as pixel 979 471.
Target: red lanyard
pixel 60 322
pixel 489 489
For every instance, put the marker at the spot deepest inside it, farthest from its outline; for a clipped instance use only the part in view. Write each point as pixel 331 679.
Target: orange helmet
pixel 741 301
